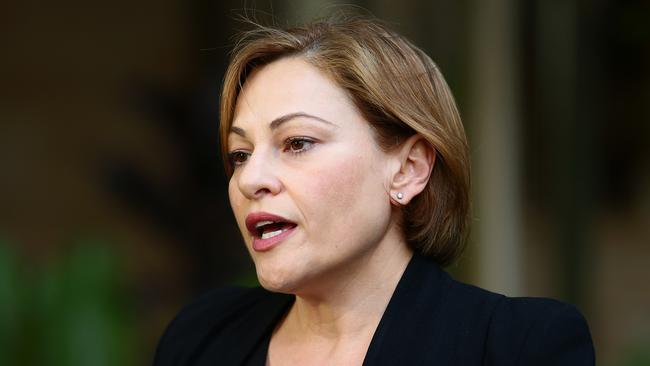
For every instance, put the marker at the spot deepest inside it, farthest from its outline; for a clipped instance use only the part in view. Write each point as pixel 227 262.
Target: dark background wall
pixel 113 203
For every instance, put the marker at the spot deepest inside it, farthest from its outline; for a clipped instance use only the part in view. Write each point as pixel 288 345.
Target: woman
pixel 349 180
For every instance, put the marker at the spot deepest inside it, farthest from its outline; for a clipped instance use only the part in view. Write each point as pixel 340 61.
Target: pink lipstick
pixel 268 229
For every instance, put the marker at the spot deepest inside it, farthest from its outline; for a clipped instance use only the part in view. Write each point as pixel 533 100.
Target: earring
pixel 399 195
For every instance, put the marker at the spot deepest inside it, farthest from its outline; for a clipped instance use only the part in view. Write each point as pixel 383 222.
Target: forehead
pixel 287 86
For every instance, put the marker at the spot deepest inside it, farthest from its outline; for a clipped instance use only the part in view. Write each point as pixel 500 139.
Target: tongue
pixel 277 226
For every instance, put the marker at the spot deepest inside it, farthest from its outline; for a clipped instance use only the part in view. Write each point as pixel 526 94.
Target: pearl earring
pixel 399 195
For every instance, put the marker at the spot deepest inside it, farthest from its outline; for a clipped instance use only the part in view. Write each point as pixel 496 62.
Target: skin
pixel 327 174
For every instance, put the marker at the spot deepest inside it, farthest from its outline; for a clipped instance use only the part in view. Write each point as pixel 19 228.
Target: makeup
pixel 268 229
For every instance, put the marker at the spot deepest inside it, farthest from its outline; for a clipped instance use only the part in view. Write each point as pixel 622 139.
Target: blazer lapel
pixel 237 341
pixel 409 332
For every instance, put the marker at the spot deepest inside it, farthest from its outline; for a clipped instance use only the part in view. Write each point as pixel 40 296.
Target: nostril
pixel 262 191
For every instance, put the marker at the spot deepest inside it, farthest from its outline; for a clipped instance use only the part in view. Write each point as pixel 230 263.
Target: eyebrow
pixel 277 122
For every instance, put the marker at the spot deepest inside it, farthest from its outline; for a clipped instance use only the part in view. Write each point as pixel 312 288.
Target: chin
pixel 277 279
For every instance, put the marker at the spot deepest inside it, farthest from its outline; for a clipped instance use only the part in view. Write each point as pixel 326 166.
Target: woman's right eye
pixel 238 157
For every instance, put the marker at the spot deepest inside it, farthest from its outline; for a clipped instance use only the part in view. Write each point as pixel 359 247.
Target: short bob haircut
pixel 400 92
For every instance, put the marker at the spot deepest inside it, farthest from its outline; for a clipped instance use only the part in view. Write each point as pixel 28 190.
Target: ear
pixel 416 157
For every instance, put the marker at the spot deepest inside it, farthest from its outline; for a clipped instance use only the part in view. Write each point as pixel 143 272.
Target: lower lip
pixel 262 245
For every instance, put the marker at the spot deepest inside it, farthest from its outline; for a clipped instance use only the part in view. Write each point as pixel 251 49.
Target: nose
pixel 258 177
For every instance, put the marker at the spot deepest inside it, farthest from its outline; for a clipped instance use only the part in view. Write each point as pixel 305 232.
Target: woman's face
pixel 310 185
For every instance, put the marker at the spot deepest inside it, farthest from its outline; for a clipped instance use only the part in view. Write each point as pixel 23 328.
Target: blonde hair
pixel 399 90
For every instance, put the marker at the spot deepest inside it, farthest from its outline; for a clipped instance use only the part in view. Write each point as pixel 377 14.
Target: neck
pixel 352 302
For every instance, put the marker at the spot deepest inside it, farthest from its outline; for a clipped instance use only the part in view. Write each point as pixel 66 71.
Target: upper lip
pixel 253 218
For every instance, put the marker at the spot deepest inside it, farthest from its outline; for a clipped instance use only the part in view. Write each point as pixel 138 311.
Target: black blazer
pixel 431 319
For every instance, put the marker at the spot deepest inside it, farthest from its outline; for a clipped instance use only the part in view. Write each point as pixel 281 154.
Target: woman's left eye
pixel 297 145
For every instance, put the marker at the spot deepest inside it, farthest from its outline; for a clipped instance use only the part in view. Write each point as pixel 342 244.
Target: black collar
pixel 412 312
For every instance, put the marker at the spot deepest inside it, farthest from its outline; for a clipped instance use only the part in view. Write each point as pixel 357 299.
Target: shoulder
pixel 210 321
pixel 216 306
pixel 527 330
pixel 543 331
pixel 444 321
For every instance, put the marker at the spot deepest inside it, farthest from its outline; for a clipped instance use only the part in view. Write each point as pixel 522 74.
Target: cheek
pixel 236 203
pixel 338 183
pixel 232 195
pixel 342 190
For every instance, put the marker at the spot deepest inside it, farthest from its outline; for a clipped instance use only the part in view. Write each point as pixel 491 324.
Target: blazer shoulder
pixel 202 321
pixel 538 331
pixel 456 323
pixel 217 303
pixel 464 292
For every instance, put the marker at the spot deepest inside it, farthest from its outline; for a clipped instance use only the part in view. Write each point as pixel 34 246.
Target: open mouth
pixel 269 229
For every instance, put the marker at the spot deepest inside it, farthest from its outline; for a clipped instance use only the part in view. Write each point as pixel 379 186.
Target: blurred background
pixel 113 203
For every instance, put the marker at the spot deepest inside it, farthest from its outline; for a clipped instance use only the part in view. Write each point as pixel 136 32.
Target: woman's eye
pixel 298 145
pixel 238 157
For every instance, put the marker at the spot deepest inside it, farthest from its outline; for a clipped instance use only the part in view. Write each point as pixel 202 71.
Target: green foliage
pixel 10 299
pixel 247 280
pixel 637 354
pixel 70 313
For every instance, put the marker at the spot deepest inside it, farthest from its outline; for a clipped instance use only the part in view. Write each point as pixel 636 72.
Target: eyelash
pixel 234 155
pixel 304 140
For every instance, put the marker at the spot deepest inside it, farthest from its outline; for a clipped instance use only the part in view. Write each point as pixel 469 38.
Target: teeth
pixel 262 223
pixel 271 234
